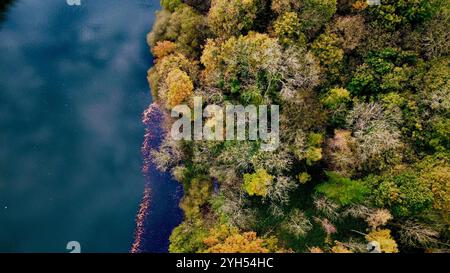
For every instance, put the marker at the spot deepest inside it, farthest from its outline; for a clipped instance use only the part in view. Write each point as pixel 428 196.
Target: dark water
pixel 72 91
pixel 159 211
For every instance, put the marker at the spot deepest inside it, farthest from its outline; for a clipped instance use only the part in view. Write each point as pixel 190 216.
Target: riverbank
pixel 159 212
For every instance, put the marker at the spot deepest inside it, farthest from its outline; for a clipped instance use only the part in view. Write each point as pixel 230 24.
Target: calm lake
pixel 72 92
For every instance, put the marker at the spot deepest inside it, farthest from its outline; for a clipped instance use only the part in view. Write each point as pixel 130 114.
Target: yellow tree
pixel 224 239
pixel 340 248
pixel 158 73
pixel 287 28
pixel 257 183
pixel 179 87
pixel 384 238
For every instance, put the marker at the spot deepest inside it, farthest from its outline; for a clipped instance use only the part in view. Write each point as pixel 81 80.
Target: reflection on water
pixel 72 90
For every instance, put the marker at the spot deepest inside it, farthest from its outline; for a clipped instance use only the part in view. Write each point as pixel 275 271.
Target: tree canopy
pixel 363 94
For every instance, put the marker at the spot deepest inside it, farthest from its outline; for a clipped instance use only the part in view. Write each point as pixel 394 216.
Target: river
pixel 72 92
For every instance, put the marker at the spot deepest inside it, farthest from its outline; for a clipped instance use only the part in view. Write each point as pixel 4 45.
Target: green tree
pixel 188 238
pixel 197 195
pixel 404 193
pixel 383 71
pixel 392 14
pixel 434 101
pixel 343 190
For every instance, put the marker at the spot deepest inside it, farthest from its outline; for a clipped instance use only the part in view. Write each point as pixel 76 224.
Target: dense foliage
pixel 365 123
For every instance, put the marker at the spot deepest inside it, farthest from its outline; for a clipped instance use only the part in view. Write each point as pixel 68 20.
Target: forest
pixel 364 101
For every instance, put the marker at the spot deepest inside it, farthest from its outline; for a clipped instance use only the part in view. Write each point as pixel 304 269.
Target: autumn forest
pixel 364 101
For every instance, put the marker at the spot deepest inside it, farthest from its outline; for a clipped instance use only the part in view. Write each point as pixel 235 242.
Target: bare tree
pixel 297 224
pixel 327 207
pixel 416 234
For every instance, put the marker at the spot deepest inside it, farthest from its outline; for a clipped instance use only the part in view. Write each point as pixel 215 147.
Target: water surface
pixel 72 91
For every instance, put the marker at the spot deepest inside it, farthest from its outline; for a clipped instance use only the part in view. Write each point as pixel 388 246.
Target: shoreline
pixel 145 231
